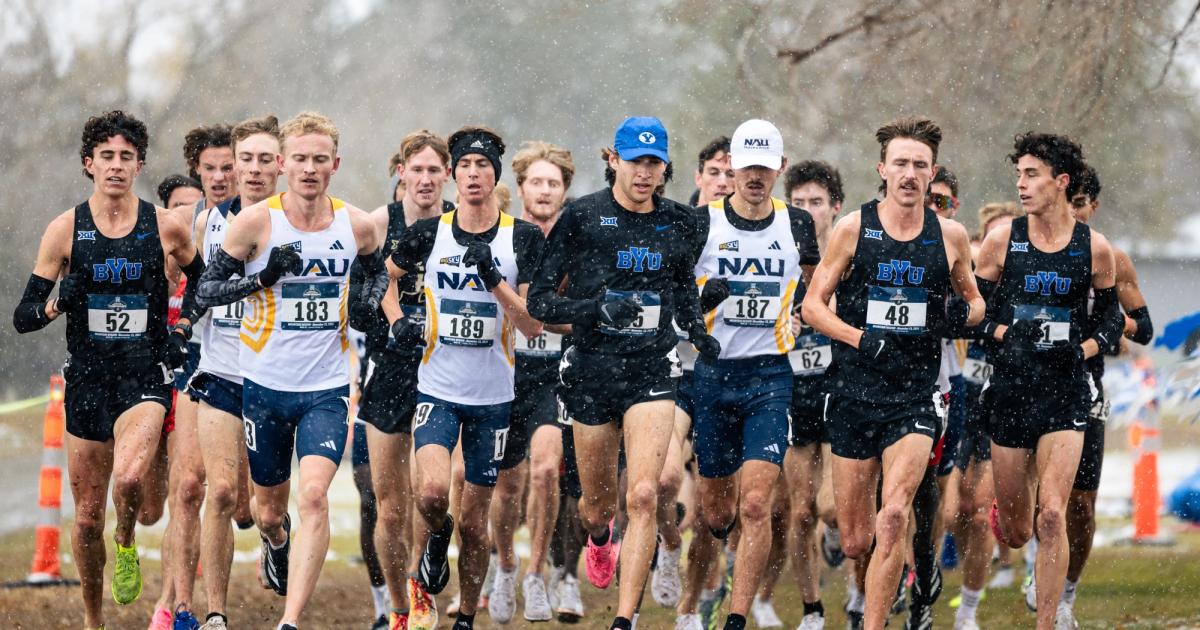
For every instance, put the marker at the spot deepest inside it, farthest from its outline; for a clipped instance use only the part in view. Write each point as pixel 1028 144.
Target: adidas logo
pixel 773 448
pixel 329 445
pixel 477 145
pixel 336 245
pixel 775 245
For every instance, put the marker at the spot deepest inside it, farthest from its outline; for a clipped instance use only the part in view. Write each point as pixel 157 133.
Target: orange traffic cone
pixel 46 567
pixel 1146 440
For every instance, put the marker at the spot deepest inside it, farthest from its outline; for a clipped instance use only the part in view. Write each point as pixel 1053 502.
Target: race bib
pixel 811 356
pixel 646 323
pixel 228 315
pixel 547 344
pixel 116 317
pixel 976 372
pixel 752 304
pixel 1054 321
pixel 465 323
pixel 311 306
pixel 897 309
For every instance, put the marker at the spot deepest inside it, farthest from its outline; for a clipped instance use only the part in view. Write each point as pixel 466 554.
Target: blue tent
pixel 1176 333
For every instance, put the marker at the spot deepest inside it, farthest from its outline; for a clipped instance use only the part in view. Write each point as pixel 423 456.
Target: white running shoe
pixel 556 576
pixel 965 624
pixel 570 604
pixel 502 603
pixel 688 622
pixel 1030 589
pixel 453 606
pixel 488 579
pixel 1064 618
pixel 812 621
pixel 665 584
pixel 764 613
pixel 1004 578
pixel 537 604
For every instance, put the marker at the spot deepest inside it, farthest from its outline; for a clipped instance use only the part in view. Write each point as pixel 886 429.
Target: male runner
pixel 477 262
pixel 1081 507
pixel 217 383
pixel 110 252
pixel 544 174
pixel 750 270
pixel 816 187
pixel 626 256
pixel 1038 272
pixel 892 265
pixel 179 190
pixel 293 252
pixel 390 384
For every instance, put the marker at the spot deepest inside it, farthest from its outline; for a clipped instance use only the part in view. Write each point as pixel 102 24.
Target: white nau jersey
pixel 294 333
pixel 469 356
pixel 224 323
pixel 763 270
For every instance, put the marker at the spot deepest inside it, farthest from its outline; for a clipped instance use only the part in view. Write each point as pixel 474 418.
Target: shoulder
pixel 801 217
pixel 61 230
pixel 254 215
pixel 381 215
pixel 1100 243
pixel 525 230
pixel 953 229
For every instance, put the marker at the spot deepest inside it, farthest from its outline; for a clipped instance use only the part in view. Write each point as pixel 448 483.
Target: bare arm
pixel 1138 326
pixel 514 303
pixel 817 313
pixel 391 298
pixel 958 248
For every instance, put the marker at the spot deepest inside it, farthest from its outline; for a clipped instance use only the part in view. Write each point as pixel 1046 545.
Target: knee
pixel 126 485
pixel 892 523
pixel 755 506
pixel 642 497
pixel 717 518
pixel 189 493
pixel 1050 524
pixel 222 497
pixel 856 546
pixel 472 529
pixel 434 497
pixel 596 514
pixel 313 499
pixel 977 520
pixel 543 474
pixel 149 513
pixel 270 518
pixel 88 529
pixel 803 516
pixel 669 483
pixel 508 485
pixel 1082 507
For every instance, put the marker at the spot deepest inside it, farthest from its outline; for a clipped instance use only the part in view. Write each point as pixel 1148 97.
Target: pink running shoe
pixel 162 619
pixel 601 561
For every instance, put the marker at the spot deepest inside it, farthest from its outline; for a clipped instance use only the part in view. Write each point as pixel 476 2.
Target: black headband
pixel 484 144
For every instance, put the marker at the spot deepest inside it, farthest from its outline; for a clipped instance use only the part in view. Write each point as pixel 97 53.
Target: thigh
pixel 1057 461
pixel 186 458
pixel 89 466
pixel 322 427
pixel 1010 476
pixel 718 495
pixel 802 470
pixel 855 482
pixel 485 433
pixel 765 429
pixel 547 444
pixel 269 424
pixel 136 436
pixel 904 464
pixel 648 429
pixel 595 449
pixel 222 442
pixel 388 459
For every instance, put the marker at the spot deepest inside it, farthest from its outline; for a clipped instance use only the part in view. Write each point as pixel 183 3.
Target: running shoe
pixel 1030 589
pixel 488 579
pixel 920 617
pixel 434 570
pixel 395 621
pixel 812 621
pixel 901 600
pixel 217 622
pixel 854 620
pixel 455 604
pixel 601 560
pixel 537 603
pixel 422 610
pixel 927 589
pixel 380 623
pixel 160 620
pixel 1005 577
pixel 127 575
pixel 688 622
pixel 184 619
pixel 556 576
pixel 275 561
pixel 831 547
pixel 957 601
pixel 502 605
pixel 1064 618
pixel 665 584
pixel 764 613
pixel 569 608
pixel 965 624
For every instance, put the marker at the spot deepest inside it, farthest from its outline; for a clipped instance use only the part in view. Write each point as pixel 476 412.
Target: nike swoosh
pixel 143 235
pixel 928 241
pixel 654 393
pixel 1078 423
pixel 881 344
pixel 1074 252
pixel 145 397
pixel 661 228
pixel 918 424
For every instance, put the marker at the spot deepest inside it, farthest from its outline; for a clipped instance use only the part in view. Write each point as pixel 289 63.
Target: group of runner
pixel 617 369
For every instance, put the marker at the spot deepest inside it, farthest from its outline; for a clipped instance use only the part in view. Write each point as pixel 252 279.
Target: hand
pixel 715 291
pixel 177 349
pixel 1064 354
pixel 361 313
pixel 705 344
pixel 1023 332
pixel 617 313
pixel 957 312
pixel 282 260
pixel 71 292
pixel 877 345
pixel 479 255
pixel 407 329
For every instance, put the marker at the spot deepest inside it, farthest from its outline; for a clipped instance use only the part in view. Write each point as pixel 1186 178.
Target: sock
pixel 447 529
pixel 735 622
pixel 857 602
pixel 379 597
pixel 1068 594
pixel 835 536
pixel 968 604
pixel 280 545
pixel 215 614
pixel 722 533
pixel 603 540
pixel 464 622
pixel 621 623
pixel 814 607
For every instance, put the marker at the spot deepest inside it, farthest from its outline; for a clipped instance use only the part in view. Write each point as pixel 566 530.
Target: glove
pixel 407 329
pixel 1023 332
pixel 705 344
pixel 617 313
pixel 177 349
pixel 878 345
pixel 715 291
pixel 1064 354
pixel 479 255
pixel 282 260
pixel 71 293
pixel 957 312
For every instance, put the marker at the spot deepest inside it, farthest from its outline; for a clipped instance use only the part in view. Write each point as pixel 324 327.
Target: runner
pixel 179 190
pixel 217 384
pixel 1038 272
pixel 817 188
pixel 390 381
pixel 1081 507
pixel 750 270
pixel 900 263
pixel 294 250
pixel 626 256
pixel 110 253
pixel 477 262
pixel 544 174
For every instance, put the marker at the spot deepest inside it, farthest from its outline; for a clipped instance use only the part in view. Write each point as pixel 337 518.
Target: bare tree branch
pixel 867 22
pixel 1175 44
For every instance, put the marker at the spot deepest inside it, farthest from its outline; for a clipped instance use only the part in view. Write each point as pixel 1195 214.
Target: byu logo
pixel 900 271
pixel 1045 281
pixel 114 268
pixel 646 137
pixel 875 234
pixel 1019 247
pixel 639 259
pixel 85 235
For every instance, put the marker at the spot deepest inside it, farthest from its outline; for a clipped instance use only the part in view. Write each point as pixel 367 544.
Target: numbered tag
pixel 1054 321
pixel 646 323
pixel 310 306
pixel 752 304
pixel 229 315
pixel 464 323
pixel 897 309
pixel 976 372
pixel 547 344
pixel 116 317
pixel 812 355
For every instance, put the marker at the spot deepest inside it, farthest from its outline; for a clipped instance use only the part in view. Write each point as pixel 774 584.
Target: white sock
pixel 968 605
pixel 857 602
pixel 379 597
pixel 1068 594
pixel 835 536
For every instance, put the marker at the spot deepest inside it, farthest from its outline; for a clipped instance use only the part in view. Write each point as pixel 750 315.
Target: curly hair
pixel 943 175
pixel 201 138
pixel 171 182
pixel 114 123
pixel 1089 183
pixel 720 144
pixel 817 172
pixel 1060 153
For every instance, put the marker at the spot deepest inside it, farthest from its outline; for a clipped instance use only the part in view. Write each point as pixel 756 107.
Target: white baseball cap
pixel 756 143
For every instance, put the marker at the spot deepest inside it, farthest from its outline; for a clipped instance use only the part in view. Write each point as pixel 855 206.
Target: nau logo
pixel 731 246
pixel 875 234
pixel 757 143
pixel 639 259
pixel 608 221
pixel 750 267
pixel 459 281
pixel 116 270
pixel 453 261
pixel 1019 247
pixel 85 235
pixel 899 272
pixel 1043 282
pixel 332 267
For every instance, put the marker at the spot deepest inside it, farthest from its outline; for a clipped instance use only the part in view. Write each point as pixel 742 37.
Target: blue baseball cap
pixel 641 135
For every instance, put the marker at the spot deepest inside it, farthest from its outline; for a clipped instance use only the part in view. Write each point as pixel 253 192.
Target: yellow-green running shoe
pixel 957 601
pixel 127 576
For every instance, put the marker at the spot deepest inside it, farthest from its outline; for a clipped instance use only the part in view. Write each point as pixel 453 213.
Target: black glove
pixel 407 329
pixel 1064 354
pixel 1023 332
pixel 878 345
pixel 715 291
pixel 617 313
pixel 479 255
pixel 177 349
pixel 282 260
pixel 71 292
pixel 957 312
pixel 705 344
